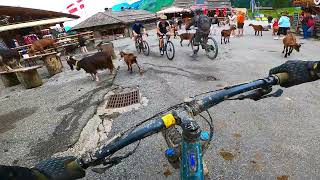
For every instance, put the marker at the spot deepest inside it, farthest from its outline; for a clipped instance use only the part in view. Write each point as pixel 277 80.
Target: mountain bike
pixel 167 47
pixel 142 45
pixel 211 47
pixel 187 150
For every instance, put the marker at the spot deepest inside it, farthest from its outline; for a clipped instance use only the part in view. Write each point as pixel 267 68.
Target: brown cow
pixel 40 45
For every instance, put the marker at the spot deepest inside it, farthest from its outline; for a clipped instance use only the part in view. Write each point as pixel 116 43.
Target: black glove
pixel 299 72
pixel 61 168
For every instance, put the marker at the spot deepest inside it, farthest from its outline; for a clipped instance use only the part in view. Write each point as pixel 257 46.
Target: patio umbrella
pixel 173 9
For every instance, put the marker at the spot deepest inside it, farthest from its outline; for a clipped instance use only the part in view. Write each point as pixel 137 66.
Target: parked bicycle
pixel 186 147
pixel 142 45
pixel 168 47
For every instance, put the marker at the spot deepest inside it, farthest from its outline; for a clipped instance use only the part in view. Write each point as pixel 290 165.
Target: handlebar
pixel 158 124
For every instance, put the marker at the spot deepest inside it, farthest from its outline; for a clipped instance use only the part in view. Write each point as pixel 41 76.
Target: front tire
pixel 170 52
pixel 146 49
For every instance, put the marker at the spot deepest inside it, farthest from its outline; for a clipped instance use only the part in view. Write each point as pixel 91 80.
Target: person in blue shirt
pixel 284 25
pixel 136 30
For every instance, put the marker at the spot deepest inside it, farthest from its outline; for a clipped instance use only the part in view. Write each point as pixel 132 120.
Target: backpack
pixel 204 23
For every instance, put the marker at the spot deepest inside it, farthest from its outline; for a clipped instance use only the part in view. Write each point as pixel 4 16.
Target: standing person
pixel 82 44
pixel 310 25
pixel 232 22
pixel 275 26
pixel 240 23
pixel 284 25
pixel 304 25
pixel 214 25
pixel 270 18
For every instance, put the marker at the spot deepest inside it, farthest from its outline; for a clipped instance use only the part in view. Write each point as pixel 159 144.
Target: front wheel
pixel 146 49
pixel 170 50
pixel 137 44
pixel 212 48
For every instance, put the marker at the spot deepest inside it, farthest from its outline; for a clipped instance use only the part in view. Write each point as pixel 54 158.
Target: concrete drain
pixel 124 97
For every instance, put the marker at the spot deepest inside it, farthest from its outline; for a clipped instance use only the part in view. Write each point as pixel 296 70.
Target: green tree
pixel 276 4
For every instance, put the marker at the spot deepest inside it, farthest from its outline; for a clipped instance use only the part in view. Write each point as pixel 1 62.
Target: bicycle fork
pixel 188 157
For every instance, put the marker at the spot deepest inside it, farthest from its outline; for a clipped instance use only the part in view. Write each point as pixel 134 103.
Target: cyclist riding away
pixel 136 30
pixel 163 27
pixel 61 168
pixel 203 24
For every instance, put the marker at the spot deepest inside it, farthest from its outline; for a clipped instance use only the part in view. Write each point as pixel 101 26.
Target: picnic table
pixel 27 76
pixel 51 61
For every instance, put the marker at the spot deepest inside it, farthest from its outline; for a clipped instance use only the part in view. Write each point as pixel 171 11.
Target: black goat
pixel 9 59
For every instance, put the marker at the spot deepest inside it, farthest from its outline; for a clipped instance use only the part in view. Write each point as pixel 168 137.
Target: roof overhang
pixel 34 23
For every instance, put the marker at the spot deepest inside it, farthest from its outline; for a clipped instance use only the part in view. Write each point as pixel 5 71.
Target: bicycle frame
pixel 191 164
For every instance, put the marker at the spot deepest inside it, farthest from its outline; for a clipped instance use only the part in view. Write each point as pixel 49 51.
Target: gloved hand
pixel 61 168
pixel 299 72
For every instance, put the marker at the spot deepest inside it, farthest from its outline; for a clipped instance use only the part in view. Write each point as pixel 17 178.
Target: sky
pixel 91 6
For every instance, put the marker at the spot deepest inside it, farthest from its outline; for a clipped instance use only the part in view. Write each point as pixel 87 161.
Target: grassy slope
pixel 276 13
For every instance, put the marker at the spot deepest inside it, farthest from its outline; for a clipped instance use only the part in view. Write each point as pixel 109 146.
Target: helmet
pixel 163 17
pixel 198 11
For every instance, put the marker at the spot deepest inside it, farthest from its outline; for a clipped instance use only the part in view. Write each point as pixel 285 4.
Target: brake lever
pixel 278 93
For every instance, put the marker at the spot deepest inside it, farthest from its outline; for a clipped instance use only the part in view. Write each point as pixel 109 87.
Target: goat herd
pixel 103 60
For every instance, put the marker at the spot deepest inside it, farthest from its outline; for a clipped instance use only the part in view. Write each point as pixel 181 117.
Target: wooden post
pixel 9 79
pixel 52 63
pixel 29 77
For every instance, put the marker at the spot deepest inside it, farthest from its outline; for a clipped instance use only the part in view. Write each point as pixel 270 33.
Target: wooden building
pixel 16 22
pixel 112 24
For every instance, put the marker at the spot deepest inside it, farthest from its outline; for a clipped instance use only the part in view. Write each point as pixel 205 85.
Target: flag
pixel 73 7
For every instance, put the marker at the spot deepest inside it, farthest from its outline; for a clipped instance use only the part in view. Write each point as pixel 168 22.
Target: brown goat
pixel 130 59
pixel 186 36
pixel 41 44
pixel 290 43
pixel 257 29
pixel 226 34
pixel 91 64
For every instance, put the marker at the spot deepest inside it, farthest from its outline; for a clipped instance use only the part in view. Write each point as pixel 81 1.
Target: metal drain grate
pixel 120 100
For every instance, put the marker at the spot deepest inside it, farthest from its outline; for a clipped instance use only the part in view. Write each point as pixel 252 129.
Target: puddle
pixel 8 120
pixel 228 156
pixel 284 177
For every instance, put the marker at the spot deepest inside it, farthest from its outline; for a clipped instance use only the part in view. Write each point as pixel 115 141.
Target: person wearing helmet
pixel 203 24
pixel 163 27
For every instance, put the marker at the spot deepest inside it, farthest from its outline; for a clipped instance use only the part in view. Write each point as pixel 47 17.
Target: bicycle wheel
pixel 146 49
pixel 212 48
pixel 137 44
pixel 170 50
pixel 194 48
